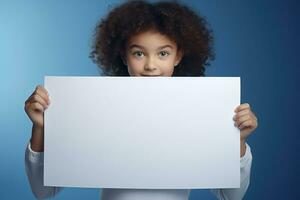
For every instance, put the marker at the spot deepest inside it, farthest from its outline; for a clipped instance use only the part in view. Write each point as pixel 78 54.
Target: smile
pixel 150 75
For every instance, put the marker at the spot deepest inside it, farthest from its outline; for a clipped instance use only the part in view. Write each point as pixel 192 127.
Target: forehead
pixel 151 40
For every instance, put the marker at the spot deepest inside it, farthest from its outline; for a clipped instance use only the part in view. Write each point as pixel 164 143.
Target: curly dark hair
pixel 178 22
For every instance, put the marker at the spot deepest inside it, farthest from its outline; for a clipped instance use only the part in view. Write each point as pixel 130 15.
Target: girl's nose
pixel 150 66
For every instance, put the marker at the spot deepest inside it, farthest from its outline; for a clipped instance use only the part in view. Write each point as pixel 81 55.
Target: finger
pixel 39 99
pixel 254 120
pixel 241 113
pixel 244 112
pixel 242 107
pixel 242 119
pixel 28 99
pixel 42 92
pixel 44 95
pixel 36 91
pixel 248 123
pixel 253 115
pixel 36 106
pixel 39 90
pixel 40 87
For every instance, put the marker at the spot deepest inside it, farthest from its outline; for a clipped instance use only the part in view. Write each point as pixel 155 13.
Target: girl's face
pixel 151 54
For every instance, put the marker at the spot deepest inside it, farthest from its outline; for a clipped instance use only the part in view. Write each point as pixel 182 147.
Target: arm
pixel 246 121
pixel 34 156
pixel 238 193
pixel 34 166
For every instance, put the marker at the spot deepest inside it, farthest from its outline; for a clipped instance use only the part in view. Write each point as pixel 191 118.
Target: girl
pixel 143 39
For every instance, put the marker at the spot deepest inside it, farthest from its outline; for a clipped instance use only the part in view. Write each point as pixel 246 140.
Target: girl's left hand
pixel 245 120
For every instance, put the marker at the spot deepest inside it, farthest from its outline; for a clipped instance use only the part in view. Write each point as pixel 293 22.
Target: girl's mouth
pixel 149 75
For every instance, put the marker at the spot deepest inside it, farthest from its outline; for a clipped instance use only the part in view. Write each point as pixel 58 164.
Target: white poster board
pixel 142 132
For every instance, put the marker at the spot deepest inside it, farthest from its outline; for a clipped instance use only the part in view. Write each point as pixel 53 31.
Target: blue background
pixel 257 40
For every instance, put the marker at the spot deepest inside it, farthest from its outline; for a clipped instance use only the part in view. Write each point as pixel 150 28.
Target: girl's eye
pixel 138 54
pixel 164 54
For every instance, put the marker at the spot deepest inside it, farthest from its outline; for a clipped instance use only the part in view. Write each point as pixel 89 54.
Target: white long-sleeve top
pixel 34 166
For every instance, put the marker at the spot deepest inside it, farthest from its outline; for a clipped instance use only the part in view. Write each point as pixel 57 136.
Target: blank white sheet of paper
pixel 142 132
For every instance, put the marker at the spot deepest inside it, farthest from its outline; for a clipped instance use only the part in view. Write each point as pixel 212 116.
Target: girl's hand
pixel 245 120
pixel 36 104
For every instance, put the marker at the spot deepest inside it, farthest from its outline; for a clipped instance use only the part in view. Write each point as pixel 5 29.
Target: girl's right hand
pixel 36 104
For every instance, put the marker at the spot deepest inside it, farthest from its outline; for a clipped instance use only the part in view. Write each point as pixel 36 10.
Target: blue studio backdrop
pixel 257 40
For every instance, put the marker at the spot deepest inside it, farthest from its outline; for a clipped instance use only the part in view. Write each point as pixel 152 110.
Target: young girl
pixel 144 39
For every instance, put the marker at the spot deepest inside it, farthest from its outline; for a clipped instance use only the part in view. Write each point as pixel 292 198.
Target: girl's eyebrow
pixel 135 45
pixel 139 46
pixel 165 46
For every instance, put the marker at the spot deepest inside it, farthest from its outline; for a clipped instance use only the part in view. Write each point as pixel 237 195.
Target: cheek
pixel 167 68
pixel 134 66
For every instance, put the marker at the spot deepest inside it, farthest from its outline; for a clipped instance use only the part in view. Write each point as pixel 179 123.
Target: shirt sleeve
pixel 238 193
pixel 34 167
